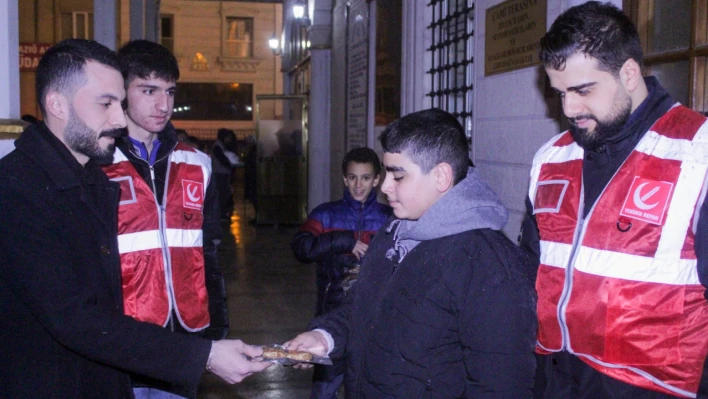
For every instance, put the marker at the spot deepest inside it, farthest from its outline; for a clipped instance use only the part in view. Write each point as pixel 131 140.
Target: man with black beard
pixel 82 138
pixel 64 332
pixel 617 222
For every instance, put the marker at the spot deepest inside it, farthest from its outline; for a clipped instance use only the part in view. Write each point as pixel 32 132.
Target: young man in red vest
pixel 615 223
pixel 168 218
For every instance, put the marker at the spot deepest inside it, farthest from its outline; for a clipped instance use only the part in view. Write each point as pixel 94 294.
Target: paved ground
pixel 271 299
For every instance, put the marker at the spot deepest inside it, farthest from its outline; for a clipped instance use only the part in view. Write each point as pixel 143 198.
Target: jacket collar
pixel 349 200
pixel 39 144
pixel 657 103
pixel 167 137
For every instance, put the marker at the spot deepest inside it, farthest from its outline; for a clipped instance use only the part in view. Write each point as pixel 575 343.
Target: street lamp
pixel 274 45
pixel 298 11
pixel 299 14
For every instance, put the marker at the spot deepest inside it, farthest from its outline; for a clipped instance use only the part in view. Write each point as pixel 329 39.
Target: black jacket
pixel 327 237
pixel 64 334
pixel 454 319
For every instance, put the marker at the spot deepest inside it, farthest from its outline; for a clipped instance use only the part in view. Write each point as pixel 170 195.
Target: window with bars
pixel 451 51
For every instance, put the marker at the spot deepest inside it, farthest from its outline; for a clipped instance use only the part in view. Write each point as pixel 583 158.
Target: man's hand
pixel 359 249
pixel 311 341
pixel 228 360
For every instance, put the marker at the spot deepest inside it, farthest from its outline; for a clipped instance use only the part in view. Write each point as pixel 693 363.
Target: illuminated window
pixel 238 37
pixel 167 30
pixel 77 25
pixel 213 101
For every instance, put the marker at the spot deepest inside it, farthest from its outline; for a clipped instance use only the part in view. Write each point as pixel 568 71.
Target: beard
pixel 84 140
pixel 604 129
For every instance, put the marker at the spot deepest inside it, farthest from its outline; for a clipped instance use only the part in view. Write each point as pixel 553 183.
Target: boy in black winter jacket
pixel 445 304
pixel 336 235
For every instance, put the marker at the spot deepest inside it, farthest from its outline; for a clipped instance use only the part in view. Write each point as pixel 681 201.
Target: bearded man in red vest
pixel 168 217
pixel 617 222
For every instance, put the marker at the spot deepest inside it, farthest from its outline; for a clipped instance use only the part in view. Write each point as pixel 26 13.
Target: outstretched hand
pixel 310 341
pixel 228 360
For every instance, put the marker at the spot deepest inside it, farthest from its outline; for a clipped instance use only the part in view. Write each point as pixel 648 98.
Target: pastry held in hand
pixel 278 354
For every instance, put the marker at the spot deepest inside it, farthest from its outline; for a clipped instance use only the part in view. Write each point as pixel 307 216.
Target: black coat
pixel 63 331
pixel 456 318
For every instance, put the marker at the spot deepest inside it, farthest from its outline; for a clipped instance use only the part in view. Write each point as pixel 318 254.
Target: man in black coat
pixel 444 305
pixel 64 334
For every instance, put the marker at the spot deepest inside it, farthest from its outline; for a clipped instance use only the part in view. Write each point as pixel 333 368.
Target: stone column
pixel 105 23
pixel 152 19
pixel 9 60
pixel 318 143
pixel 413 78
pixel 137 19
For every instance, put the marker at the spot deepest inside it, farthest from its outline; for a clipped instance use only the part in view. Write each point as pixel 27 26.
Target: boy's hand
pixel 359 249
pixel 310 341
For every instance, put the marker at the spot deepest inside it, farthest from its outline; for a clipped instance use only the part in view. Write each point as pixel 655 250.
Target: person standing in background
pixel 336 235
pixel 168 221
pixel 224 159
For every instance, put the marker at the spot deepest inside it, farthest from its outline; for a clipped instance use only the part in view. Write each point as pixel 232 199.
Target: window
pixel 238 37
pixel 452 28
pixel 675 52
pixel 77 25
pixel 213 101
pixel 167 30
pixel 388 62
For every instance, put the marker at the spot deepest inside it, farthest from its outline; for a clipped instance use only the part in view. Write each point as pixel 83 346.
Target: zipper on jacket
pixel 577 241
pixel 161 216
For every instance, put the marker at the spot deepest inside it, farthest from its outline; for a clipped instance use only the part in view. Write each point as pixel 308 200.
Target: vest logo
pixel 647 200
pixel 192 194
pixel 127 190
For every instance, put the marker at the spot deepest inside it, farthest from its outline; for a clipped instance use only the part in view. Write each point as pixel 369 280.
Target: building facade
pixel 450 58
pixel 221 47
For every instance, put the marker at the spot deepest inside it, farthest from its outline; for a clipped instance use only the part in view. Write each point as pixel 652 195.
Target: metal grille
pixel 451 52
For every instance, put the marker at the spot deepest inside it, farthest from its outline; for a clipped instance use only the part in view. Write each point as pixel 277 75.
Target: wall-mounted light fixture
pixel 274 44
pixel 299 13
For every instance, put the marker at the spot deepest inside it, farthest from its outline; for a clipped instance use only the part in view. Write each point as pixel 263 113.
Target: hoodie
pixel 469 205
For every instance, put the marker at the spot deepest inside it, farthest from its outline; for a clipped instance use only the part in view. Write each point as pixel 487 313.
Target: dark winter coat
pixel 454 318
pixel 64 334
pixel 328 237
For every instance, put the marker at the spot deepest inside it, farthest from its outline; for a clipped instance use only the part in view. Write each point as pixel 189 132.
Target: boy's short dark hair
pixel 142 59
pixel 361 155
pixel 599 30
pixel 61 68
pixel 429 138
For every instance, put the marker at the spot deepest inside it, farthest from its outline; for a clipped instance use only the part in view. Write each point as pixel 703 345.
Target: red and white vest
pixel 162 260
pixel 620 289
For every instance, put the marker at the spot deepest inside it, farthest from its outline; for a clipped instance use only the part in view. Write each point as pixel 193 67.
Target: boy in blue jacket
pixel 336 235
